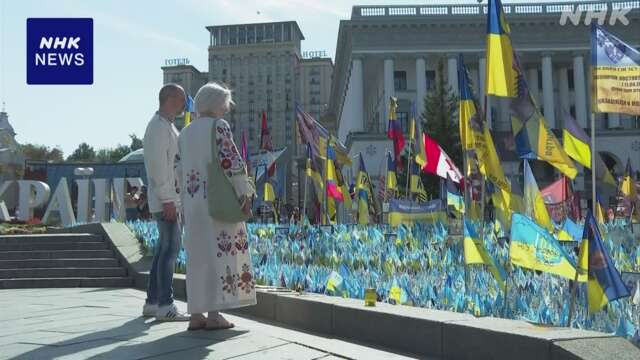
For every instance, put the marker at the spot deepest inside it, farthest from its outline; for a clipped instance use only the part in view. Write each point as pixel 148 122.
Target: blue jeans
pixel 160 290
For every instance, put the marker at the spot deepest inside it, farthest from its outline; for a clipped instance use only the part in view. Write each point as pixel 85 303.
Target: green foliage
pixel 441 124
pixel 41 152
pixel 84 153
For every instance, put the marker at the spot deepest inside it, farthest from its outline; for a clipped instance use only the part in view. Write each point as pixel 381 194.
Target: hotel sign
pixel 314 54
pixel 176 62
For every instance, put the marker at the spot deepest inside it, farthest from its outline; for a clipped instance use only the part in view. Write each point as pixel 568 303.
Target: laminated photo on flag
pixel 615 66
pixel 532 247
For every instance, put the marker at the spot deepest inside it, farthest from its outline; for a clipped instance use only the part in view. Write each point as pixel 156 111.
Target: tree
pixel 441 124
pixel 41 153
pixel 136 142
pixel 84 153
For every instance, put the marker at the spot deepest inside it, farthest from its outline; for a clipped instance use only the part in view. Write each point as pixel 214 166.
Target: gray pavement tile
pixel 288 351
pixel 13 350
pixel 65 325
pixel 83 350
pixel 232 347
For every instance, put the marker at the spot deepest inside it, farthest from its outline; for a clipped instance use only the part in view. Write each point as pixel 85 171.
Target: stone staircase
pixel 59 260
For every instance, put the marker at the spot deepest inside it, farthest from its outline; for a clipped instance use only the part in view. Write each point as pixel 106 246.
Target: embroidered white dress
pixel 219 271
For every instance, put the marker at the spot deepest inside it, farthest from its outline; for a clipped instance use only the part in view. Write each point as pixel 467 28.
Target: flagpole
pixel 304 201
pixel 408 170
pixel 593 211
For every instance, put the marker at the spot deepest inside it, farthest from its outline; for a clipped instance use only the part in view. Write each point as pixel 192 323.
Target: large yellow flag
pixel 501 78
pixel 474 132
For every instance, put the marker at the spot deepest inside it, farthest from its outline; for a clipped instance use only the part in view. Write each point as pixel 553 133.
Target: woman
pixel 219 271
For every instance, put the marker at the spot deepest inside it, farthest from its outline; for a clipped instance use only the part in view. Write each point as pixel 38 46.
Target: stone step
pixel 38 246
pixel 98 282
pixel 59 263
pixel 56 254
pixel 62 273
pixel 48 238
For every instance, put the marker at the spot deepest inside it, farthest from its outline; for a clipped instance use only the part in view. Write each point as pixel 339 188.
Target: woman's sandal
pixel 201 324
pixel 220 323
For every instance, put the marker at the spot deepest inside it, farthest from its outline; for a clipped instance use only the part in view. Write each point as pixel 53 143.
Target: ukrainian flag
pixel 501 77
pixel 576 142
pixel 628 186
pixel 188 109
pixel 454 198
pixel 604 284
pixel 365 196
pixel 466 106
pixel 476 253
pixel 392 180
pixel 415 183
pixel 409 212
pixel 532 247
pixel 474 132
pixel 534 141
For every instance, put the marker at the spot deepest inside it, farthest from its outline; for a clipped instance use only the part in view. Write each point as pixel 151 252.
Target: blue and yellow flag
pixel 365 195
pixel 476 253
pixel 532 247
pixel 454 197
pixel 604 284
pixel 392 180
pixel 474 132
pixel 628 186
pixel 409 212
pixel 415 183
pixel 576 142
pixel 534 140
pixel 615 64
pixel 188 109
pixel 501 77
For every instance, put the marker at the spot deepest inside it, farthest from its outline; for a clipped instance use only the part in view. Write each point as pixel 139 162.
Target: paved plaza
pixel 98 323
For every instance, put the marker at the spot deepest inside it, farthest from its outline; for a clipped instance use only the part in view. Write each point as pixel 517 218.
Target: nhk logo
pixel 617 15
pixel 59 51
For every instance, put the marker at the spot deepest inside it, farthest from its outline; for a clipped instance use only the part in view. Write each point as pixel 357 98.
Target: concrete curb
pixel 431 333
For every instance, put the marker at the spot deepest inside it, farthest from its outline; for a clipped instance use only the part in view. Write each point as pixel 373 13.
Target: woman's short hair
pixel 213 97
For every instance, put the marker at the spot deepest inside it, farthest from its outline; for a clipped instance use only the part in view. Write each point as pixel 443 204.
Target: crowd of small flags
pixel 425 266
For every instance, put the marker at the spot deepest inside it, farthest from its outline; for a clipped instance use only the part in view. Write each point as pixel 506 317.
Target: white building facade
pixel 385 51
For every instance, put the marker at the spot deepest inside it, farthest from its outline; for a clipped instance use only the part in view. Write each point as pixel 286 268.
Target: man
pixel 160 157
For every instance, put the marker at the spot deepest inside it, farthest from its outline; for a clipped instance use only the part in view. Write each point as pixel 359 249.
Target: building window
pixel 269 34
pixel 242 35
pixel 572 111
pixel 314 81
pixel 400 80
pixel 287 32
pixel 233 36
pixel 251 34
pixel 259 33
pixel 431 79
pixel 570 78
pixel 403 118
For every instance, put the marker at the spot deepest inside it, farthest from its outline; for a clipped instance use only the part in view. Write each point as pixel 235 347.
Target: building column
pixel 534 85
pixel 482 64
pixel 356 81
pixel 389 90
pixel 563 85
pixel 547 90
pixel 421 84
pixel 580 90
pixel 452 72
pixel 482 68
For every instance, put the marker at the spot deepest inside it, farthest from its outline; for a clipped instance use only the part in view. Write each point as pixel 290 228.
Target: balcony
pixel 359 12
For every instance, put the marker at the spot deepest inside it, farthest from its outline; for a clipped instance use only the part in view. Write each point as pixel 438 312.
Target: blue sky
pixel 131 41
